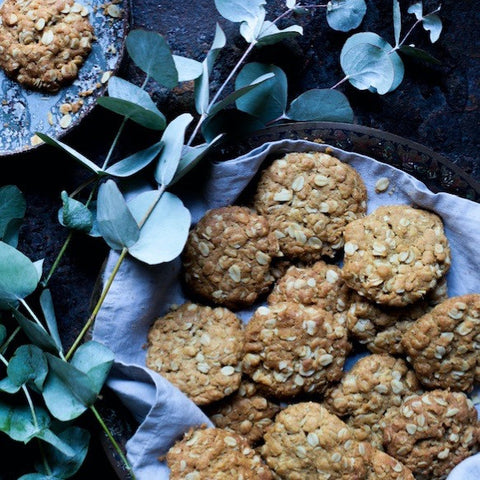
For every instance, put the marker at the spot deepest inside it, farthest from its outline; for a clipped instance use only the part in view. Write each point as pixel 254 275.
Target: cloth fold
pixel 141 293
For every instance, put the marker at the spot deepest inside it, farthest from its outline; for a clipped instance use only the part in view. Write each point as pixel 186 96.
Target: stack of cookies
pixel 323 281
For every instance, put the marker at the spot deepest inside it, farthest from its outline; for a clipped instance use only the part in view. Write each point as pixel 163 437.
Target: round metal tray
pixel 437 172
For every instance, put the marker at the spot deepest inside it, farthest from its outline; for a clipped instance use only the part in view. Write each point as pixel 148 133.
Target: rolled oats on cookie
pixel 199 350
pixel 245 412
pixel 44 43
pixel 291 348
pixel 374 384
pixel 432 432
pixel 395 255
pixel 320 284
pixel 308 199
pixel 227 257
pixel 444 344
pixel 381 328
pixel 214 453
pixel 306 441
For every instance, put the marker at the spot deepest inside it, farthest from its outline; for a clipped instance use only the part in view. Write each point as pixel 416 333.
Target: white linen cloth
pixel 141 293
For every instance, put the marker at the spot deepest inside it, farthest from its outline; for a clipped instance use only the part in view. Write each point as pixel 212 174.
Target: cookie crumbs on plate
pixel 382 184
pixel 36 140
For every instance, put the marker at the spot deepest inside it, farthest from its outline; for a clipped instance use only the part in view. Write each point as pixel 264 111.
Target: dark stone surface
pixel 438 107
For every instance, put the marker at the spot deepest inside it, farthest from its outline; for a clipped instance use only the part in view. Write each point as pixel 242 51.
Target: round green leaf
pixel 28 363
pixel 18 276
pixel 151 53
pixel 268 101
pixel 17 422
pixel 370 62
pixel 187 68
pixel 321 105
pixel 345 15
pixel 75 214
pixel 433 24
pixel 240 10
pixel 12 211
pixel 271 34
pixel 115 222
pixel 164 234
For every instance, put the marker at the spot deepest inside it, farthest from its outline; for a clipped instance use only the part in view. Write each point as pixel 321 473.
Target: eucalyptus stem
pixel 98 305
pixel 343 80
pixel 116 446
pixel 58 259
pixel 32 313
pixel 9 340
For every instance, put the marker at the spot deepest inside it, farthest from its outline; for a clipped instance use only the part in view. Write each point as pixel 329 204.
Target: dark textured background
pixel 438 107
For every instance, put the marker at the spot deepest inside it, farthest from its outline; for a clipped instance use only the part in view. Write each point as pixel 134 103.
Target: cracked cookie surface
pixel 395 255
pixel 227 257
pixel 291 348
pixel 444 344
pixel 43 43
pixel 214 453
pixel 199 350
pixel 308 199
pixel 432 432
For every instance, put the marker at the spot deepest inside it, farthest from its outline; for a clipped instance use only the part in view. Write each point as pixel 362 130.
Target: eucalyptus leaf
pixel 202 90
pixel 17 422
pixel 240 10
pixel 12 210
pixel 115 222
pixel 133 103
pixel 18 276
pixel 187 68
pixel 39 268
pixel 290 4
pixel 419 54
pixel 3 334
pixel 75 214
pixel 95 360
pixel 27 364
pixel 219 41
pixel 48 309
pixel 38 476
pixel 135 162
pixel 433 24
pixel 73 153
pixel 151 53
pixel 165 232
pixel 7 386
pixel 416 9
pixel 191 156
pixel 370 61
pixel 268 101
pixel 345 15
pixel 62 465
pixel 397 21
pixel 271 34
pixel 250 29
pixel 240 92
pixel 67 391
pixel 172 139
pixel 35 333
pixel 321 105
pixel 49 437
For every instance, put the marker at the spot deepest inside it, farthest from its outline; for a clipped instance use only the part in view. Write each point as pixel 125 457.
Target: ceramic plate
pixel 24 112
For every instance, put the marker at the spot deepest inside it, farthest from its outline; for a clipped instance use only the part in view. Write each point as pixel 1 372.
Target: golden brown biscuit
pixel 374 384
pixel 381 328
pixel 44 43
pixel 308 199
pixel 291 348
pixel 199 350
pixel 395 255
pixel 308 442
pixel 227 257
pixel 214 453
pixel 246 412
pixel 432 432
pixel 444 344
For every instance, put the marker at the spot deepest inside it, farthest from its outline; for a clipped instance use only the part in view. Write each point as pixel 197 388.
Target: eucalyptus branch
pixel 412 28
pixel 32 313
pixel 343 80
pixel 9 340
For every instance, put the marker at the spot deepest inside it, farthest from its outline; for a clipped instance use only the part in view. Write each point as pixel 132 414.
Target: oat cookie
pixel 375 383
pixel 395 255
pixel 432 432
pixel 380 328
pixel 43 43
pixel 444 344
pixel 308 199
pixel 227 257
pixel 321 284
pixel 246 412
pixel 291 348
pixel 214 453
pixel 199 350
pixel 306 442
